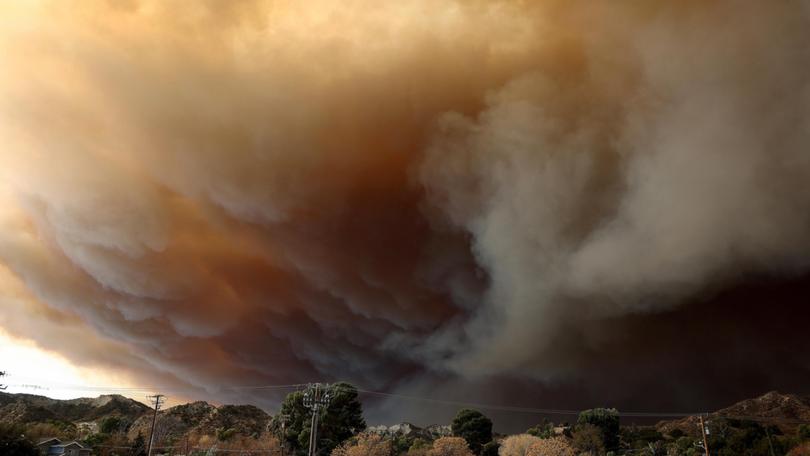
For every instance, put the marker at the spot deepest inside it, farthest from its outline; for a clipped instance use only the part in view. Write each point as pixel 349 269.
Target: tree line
pixel 342 431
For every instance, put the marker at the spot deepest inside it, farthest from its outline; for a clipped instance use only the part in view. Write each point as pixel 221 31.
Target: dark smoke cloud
pixel 496 200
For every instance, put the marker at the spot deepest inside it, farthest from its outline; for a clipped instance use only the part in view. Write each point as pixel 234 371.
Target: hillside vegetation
pixel 773 424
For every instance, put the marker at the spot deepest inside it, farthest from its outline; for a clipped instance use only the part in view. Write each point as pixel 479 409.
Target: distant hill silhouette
pixel 783 410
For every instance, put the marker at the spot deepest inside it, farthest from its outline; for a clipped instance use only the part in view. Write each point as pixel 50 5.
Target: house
pixel 44 445
pixel 55 447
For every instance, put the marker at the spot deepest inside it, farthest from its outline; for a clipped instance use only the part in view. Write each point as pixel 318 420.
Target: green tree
pixel 110 425
pixel 94 440
pixel 14 443
pixel 474 427
pixel 607 420
pixel 544 430
pixel 341 419
pixel 113 424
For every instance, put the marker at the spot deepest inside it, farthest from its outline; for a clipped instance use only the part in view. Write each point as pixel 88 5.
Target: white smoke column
pixel 589 197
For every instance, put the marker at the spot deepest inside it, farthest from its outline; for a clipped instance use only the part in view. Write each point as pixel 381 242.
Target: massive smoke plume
pixel 583 201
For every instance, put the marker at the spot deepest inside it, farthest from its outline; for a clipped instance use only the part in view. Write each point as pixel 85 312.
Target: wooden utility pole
pixel 158 400
pixel 703 433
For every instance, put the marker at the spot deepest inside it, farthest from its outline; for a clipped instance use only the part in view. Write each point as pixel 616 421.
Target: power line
pixel 518 409
pixel 368 392
pixel 494 407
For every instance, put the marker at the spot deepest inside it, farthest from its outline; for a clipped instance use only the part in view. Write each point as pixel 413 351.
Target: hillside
pixel 27 408
pixel 202 418
pixel 772 405
pixel 82 417
pixel 781 410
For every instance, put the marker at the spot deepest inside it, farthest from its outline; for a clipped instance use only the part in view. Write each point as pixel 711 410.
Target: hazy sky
pixel 550 203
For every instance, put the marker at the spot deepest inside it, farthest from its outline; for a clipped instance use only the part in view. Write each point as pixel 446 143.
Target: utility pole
pixel 282 438
pixel 703 432
pixel 770 443
pixel 158 400
pixel 316 397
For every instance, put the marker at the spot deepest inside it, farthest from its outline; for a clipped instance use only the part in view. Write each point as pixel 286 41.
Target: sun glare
pixel 32 370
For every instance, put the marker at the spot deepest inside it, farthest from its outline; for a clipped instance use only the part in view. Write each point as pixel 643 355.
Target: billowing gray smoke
pixel 436 195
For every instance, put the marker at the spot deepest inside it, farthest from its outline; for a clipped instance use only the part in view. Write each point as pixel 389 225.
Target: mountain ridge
pixel 85 416
pixel 784 410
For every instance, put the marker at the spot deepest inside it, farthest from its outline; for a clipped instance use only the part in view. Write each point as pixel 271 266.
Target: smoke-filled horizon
pixel 553 202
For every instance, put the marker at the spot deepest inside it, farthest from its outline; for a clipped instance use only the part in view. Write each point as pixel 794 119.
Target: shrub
pixel 96 439
pixel 365 445
pixel 556 446
pixel 450 446
pixel 544 430
pixel 588 439
pixel 223 435
pixel 13 443
pixel 110 425
pixel 38 431
pixel 490 449
pixel 419 447
pixel 401 443
pixel 803 432
pixel 138 447
pixel 517 445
